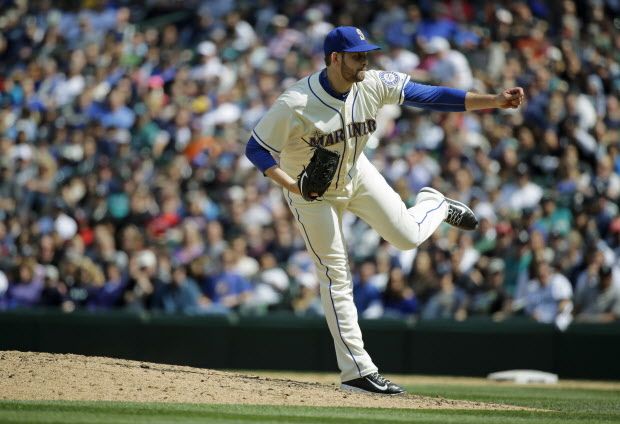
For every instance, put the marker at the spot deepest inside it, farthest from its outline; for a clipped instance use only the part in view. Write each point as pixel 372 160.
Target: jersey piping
pixel 344 151
pixel 290 201
pixel 401 98
pixel 263 143
pixel 353 120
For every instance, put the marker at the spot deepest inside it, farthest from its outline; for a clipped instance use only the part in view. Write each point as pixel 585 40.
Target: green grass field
pixel 561 404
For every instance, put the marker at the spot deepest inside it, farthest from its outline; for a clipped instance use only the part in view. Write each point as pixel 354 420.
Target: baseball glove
pixel 314 179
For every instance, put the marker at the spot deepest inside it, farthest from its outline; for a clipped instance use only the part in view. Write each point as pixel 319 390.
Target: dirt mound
pixel 44 376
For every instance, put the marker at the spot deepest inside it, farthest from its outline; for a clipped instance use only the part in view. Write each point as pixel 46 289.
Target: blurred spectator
pixel 366 296
pixel 181 295
pixel 589 275
pixel 284 39
pixel 423 277
pixel 192 244
pixel 121 141
pixel 307 301
pixel 25 288
pixel 492 298
pixel 597 299
pixel 142 280
pixel 606 182
pixel 447 66
pixel 555 219
pixel 399 300
pixel 304 284
pixel 525 194
pixel 271 285
pixel 4 285
pixel 548 295
pixel 448 302
pixel 110 294
pixel 514 250
pixel 227 287
pixel 246 265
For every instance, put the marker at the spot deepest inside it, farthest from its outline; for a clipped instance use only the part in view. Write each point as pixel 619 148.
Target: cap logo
pixel 347 39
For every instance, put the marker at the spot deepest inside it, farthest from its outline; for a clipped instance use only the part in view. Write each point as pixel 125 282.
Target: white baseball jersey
pixel 305 115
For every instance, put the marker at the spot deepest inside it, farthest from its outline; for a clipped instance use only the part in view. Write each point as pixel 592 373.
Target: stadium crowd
pixel 123 180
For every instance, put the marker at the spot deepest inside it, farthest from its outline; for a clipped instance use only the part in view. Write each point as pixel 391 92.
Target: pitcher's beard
pixel 350 75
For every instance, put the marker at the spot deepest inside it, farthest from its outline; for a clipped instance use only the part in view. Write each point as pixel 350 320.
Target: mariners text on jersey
pixel 354 129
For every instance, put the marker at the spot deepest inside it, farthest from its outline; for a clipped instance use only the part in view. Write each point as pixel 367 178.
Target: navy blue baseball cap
pixel 347 39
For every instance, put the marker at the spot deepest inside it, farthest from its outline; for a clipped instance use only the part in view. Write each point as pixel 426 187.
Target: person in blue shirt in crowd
pixel 228 288
pixel 366 296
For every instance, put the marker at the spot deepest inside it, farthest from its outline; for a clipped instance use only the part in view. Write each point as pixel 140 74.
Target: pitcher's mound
pixel 45 376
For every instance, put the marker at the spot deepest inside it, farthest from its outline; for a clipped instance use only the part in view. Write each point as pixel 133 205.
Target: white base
pixel 524 377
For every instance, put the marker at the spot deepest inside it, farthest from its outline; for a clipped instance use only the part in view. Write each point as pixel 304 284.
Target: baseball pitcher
pixel 318 129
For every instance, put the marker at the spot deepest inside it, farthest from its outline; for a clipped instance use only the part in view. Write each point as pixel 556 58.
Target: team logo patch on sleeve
pixel 389 78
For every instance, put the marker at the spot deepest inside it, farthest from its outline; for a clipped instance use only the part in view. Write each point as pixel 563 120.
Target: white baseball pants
pixel 373 200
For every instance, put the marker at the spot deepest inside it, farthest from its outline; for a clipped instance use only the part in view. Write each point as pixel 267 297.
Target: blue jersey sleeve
pixel 259 156
pixel 431 97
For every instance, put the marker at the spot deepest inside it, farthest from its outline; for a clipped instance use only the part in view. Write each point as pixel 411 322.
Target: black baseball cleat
pixel 372 383
pixel 459 215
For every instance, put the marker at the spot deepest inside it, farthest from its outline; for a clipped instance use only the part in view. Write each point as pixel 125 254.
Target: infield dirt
pixel 45 376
